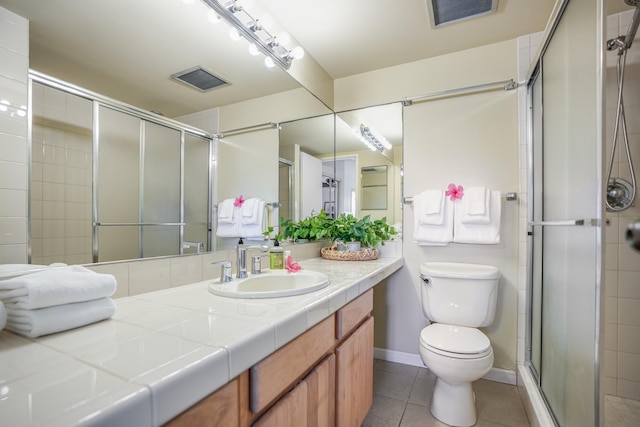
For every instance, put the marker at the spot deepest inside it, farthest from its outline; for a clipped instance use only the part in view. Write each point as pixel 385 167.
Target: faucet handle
pixel 225 271
pixel 256 264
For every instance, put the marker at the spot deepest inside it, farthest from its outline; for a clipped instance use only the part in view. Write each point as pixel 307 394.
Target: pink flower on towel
pixel 292 266
pixel 239 201
pixel 455 192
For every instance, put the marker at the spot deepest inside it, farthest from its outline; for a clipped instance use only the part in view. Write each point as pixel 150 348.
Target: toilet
pixel 457 298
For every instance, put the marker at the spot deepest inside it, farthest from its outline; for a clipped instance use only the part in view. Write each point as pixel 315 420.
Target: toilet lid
pixel 455 339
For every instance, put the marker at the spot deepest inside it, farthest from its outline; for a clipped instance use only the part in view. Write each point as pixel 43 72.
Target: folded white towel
pixel 250 211
pixel 486 234
pixel 56 286
pixel 3 316
pixel 435 235
pixel 225 211
pixel 475 206
pixel 254 230
pixel 429 207
pixel 49 320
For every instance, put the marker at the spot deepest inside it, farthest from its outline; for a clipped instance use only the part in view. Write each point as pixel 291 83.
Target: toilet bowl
pixel 457 355
pixel 459 298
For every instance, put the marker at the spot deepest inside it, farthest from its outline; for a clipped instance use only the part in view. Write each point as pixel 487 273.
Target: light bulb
pixel 234 34
pixel 297 52
pixel 253 50
pixel 268 61
pixel 213 17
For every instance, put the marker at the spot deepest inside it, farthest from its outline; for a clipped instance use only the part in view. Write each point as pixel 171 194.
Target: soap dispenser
pixel 276 256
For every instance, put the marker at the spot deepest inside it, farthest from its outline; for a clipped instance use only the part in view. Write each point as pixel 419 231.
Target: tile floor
pixel 620 412
pixel 402 395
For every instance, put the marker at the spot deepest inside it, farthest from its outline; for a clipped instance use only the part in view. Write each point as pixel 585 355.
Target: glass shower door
pixel 566 216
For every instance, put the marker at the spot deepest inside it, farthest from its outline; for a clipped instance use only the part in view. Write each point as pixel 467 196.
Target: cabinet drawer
pixel 352 314
pixel 218 409
pixel 273 375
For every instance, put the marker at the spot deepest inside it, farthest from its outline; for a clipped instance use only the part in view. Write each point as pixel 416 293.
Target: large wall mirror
pixel 83 55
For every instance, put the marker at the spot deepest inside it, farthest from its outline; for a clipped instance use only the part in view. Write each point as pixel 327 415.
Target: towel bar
pixel 272 204
pixel 507 196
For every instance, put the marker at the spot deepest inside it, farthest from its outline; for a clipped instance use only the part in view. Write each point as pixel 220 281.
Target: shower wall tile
pixel 611 310
pixel 12 203
pixel 628 341
pixel 611 337
pixel 611 229
pixel 628 312
pixel 628 258
pixel 13 175
pixel 628 389
pixel 611 283
pixel 629 367
pixel 13 148
pixel 629 284
pixel 611 364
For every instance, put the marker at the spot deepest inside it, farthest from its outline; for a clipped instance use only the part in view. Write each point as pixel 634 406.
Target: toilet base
pixel 454 404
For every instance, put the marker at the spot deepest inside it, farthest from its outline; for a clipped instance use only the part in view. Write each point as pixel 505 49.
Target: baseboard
pixel 495 374
pixel 533 401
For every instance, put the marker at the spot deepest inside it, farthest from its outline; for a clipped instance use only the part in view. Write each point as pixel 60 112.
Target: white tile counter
pixel 162 351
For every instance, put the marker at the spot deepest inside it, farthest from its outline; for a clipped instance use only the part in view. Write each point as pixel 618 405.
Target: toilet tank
pixel 459 294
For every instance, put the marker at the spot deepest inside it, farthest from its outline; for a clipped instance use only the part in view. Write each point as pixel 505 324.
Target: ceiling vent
pixel 199 78
pixel 443 12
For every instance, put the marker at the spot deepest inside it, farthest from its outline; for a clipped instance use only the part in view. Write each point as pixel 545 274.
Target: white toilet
pixel 458 298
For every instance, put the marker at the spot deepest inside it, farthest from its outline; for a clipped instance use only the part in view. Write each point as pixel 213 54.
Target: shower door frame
pixel 536 73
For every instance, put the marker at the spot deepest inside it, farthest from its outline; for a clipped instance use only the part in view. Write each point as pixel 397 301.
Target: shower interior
pixel 621 331
pixel 621 193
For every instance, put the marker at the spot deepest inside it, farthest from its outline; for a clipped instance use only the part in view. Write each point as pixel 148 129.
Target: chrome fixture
pixel 621 193
pixel 242 259
pixel 225 271
pixel 243 24
pixel 197 245
pixel 443 12
pixel 372 139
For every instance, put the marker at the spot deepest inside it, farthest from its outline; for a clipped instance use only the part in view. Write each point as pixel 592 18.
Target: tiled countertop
pixel 162 351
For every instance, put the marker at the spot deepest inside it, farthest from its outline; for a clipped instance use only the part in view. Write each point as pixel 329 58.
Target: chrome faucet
pixel 197 245
pixel 225 271
pixel 242 259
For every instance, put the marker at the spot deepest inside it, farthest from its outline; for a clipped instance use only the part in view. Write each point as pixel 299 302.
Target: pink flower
pixel 455 192
pixel 239 201
pixel 291 266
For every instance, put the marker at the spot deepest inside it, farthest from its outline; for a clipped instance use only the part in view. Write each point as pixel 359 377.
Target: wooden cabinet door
pixel 290 411
pixel 218 409
pixel 321 386
pixel 354 365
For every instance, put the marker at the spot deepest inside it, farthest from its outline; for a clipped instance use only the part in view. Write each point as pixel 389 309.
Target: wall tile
pixel 611 363
pixel 12 33
pixel 149 275
pixel 13 148
pixel 611 337
pixel 629 339
pixel 13 231
pixel 13 175
pixel 629 284
pixel 628 389
pixel 628 312
pixel 14 203
pixel 629 366
pixel 120 271
pixel 611 310
pixel 185 270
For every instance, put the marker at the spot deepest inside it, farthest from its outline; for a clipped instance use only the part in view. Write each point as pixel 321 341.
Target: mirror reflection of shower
pixel 620 192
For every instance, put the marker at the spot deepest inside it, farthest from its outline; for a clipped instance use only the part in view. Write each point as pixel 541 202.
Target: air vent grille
pixel 442 12
pixel 199 78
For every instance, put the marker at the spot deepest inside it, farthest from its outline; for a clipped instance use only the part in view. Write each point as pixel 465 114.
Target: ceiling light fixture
pixel 253 30
pixel 372 139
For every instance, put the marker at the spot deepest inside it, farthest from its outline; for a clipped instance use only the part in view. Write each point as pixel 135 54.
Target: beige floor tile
pixel 419 416
pixel 392 385
pixel 385 412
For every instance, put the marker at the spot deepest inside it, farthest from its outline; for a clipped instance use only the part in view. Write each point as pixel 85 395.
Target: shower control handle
pixel 633 234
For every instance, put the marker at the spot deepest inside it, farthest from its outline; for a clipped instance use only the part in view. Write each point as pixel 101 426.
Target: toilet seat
pixel 458 342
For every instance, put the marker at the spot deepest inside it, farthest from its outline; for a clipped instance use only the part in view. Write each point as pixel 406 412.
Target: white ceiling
pixel 128 49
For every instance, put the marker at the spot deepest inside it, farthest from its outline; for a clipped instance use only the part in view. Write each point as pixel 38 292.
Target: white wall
pixel 470 140
pixel 14 70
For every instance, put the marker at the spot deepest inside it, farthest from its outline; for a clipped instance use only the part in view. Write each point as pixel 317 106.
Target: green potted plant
pixel 368 233
pixel 311 228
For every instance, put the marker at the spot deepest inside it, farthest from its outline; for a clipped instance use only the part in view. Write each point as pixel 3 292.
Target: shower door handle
pixel 557 223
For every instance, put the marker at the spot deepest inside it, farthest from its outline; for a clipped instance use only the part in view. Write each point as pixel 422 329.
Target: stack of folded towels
pixel 245 220
pixel 56 300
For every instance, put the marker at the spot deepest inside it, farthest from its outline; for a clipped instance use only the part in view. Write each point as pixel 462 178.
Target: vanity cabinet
pixel 322 378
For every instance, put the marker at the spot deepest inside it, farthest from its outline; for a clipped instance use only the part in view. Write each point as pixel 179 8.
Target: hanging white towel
pixel 56 286
pixel 230 229
pixel 225 211
pixel 251 211
pixel 475 206
pixel 254 230
pixel 435 235
pixel 485 234
pixel 3 316
pixel 429 207
pixel 49 320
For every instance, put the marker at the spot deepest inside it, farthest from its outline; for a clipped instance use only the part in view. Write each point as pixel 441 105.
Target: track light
pixel 372 139
pixel 244 25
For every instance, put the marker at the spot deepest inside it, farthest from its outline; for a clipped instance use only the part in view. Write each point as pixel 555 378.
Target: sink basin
pixel 271 284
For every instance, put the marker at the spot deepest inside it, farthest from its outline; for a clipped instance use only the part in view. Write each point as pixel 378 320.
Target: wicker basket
pixel 334 254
